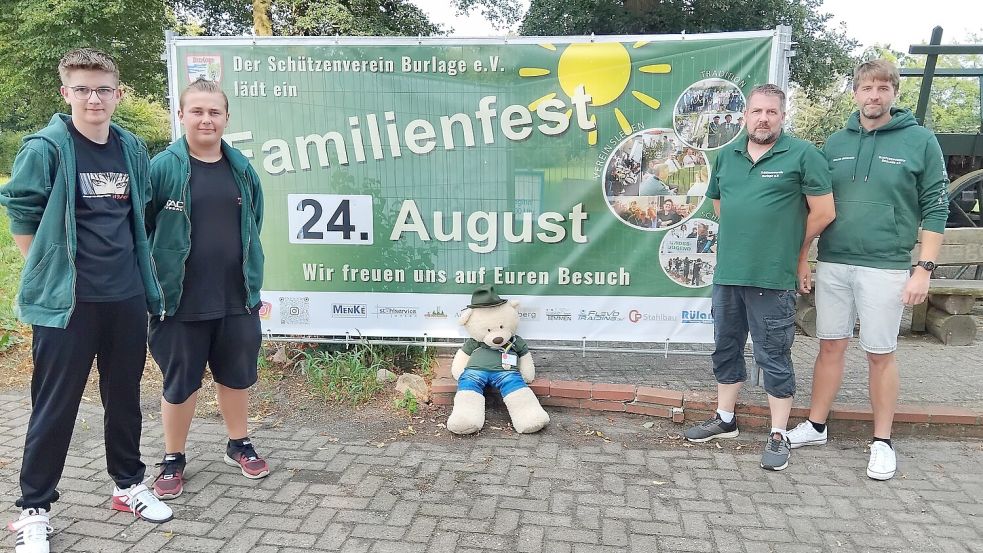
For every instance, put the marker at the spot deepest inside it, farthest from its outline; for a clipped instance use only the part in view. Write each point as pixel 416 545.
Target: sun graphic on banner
pixel 604 70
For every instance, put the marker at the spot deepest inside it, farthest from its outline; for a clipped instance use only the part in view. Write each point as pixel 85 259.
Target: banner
pixel 399 174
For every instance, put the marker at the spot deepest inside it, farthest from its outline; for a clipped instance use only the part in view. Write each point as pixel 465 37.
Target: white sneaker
pixel 32 530
pixel 139 500
pixel 883 462
pixel 805 434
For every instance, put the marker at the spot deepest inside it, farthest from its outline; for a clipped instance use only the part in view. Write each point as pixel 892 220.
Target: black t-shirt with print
pixel 106 261
pixel 214 285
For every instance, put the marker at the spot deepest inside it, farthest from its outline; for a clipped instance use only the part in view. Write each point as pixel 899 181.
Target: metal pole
pixel 926 90
pixel 583 348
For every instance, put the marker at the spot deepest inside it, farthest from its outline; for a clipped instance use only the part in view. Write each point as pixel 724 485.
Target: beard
pixel 763 136
pixel 875 111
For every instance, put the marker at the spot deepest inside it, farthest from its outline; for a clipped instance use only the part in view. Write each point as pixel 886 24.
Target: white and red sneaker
pixel 32 529
pixel 139 500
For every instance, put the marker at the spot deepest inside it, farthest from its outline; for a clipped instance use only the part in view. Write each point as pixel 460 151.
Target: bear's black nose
pixel 498 340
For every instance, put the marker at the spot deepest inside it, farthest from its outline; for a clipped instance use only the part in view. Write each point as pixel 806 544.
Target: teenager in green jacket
pixel 76 201
pixel 889 179
pixel 205 218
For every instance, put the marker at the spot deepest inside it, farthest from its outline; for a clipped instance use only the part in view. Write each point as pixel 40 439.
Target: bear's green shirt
pixel 484 358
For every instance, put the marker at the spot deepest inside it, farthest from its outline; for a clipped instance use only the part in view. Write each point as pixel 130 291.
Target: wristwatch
pixel 927 265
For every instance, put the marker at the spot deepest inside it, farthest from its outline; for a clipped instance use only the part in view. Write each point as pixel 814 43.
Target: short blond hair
pixel 202 84
pixel 877 70
pixel 86 59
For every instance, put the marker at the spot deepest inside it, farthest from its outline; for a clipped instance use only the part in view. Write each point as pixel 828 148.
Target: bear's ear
pixel 465 315
pixel 514 303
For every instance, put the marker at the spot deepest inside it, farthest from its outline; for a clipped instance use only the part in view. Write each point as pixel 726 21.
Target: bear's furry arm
pixel 526 368
pixel 460 362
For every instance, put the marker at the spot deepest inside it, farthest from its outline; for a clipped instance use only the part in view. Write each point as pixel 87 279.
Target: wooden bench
pixel 947 312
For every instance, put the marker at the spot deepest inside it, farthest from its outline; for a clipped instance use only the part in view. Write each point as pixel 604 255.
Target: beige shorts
pixel 844 292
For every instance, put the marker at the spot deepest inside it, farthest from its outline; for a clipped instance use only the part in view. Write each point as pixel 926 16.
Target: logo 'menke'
pixel 349 310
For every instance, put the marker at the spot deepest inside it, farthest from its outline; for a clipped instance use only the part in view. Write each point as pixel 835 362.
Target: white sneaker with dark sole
pixel 883 461
pixel 805 434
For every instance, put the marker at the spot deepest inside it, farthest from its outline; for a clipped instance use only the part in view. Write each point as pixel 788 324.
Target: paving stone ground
pixel 566 489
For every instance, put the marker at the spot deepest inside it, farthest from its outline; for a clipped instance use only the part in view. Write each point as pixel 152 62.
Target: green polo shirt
pixel 763 210
pixel 484 358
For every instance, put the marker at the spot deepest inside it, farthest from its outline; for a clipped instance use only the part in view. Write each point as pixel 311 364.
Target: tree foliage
pixel 816 116
pixel 954 104
pixel 145 118
pixel 821 52
pixel 34 34
pixel 308 17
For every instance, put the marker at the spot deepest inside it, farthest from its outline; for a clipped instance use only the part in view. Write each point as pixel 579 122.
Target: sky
pixel 899 23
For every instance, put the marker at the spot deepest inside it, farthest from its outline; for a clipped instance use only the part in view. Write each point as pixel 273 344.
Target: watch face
pixel 929 266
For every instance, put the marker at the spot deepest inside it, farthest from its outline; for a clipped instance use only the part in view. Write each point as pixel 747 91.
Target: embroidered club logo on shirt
pixel 891 160
pixel 843 158
pixel 772 174
pixel 105 185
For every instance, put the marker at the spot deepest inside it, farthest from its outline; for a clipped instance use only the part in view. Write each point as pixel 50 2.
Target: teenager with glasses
pixel 76 201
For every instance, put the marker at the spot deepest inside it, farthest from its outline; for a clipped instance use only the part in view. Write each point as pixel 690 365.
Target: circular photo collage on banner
pixel 688 254
pixel 709 114
pixel 652 181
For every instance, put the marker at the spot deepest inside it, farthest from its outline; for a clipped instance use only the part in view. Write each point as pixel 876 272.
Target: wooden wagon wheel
pixel 965 195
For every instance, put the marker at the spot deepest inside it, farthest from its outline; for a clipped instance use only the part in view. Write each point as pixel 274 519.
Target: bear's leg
pixel 468 415
pixel 527 414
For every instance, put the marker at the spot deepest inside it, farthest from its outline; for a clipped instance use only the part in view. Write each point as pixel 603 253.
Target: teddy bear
pixel 493 355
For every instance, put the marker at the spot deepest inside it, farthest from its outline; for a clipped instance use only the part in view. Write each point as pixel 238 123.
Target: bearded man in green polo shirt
pixel 773 195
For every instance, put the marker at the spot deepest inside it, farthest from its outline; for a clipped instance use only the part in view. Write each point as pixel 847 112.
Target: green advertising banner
pixel 399 174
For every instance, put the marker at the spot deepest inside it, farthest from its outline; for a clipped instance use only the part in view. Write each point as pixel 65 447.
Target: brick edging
pixel 683 406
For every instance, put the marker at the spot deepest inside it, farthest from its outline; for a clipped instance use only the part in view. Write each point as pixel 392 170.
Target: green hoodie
pixel 169 221
pixel 40 200
pixel 886 182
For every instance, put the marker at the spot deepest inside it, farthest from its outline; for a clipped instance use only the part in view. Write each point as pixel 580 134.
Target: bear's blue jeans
pixel 475 380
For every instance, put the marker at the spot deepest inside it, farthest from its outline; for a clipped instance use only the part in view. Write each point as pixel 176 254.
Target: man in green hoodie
pixel 76 201
pixel 889 179
pixel 205 217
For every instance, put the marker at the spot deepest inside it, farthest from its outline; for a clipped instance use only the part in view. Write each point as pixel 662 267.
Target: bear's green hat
pixel 485 296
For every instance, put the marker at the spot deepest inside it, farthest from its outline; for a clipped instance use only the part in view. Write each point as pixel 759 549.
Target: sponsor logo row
pixel 362 311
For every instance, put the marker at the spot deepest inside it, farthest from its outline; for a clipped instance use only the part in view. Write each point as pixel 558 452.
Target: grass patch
pixel 343 376
pixel 409 359
pixel 408 403
pixel 11 263
pixel 348 375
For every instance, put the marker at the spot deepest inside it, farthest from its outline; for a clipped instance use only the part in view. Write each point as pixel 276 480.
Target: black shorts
pixel 230 347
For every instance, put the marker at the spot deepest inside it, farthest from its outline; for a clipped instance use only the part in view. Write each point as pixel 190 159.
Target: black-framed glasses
pixel 84 93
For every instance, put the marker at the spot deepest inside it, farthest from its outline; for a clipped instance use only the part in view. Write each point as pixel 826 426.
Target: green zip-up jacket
pixel 169 221
pixel 886 183
pixel 40 201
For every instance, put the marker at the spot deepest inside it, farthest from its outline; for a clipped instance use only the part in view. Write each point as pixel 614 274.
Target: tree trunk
pixel 262 24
